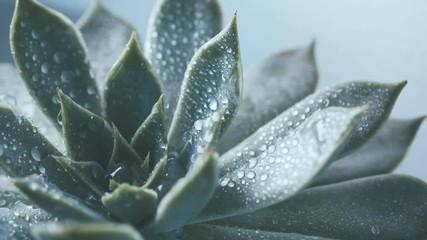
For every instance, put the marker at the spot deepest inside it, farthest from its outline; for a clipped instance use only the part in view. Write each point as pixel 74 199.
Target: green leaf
pixel 17 213
pixel 381 154
pixel 50 53
pixel 150 137
pixel 213 81
pixel 85 231
pixel 24 151
pixel 87 136
pixel 177 28
pixel 189 195
pixel 200 231
pixel 125 164
pixel 55 201
pixel 88 174
pixel 381 207
pixel 131 204
pixel 131 84
pixel 275 162
pixel 271 87
pixel 106 35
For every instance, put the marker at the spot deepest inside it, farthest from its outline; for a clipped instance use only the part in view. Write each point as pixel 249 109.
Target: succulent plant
pixel 175 148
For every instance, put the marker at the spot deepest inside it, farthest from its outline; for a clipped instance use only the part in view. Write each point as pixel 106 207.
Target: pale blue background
pixel 382 40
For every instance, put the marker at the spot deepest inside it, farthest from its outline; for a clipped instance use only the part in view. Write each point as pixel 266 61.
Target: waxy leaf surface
pixel 50 54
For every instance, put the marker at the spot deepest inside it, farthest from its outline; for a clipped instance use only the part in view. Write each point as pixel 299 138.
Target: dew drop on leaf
pixel 213 104
pixel 35 153
pixel 45 68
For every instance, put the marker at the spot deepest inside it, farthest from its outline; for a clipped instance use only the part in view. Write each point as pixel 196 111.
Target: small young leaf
pixel 200 231
pixel 189 195
pixel 125 164
pixel 49 53
pixel 213 81
pixel 17 213
pixel 24 151
pixel 150 137
pixel 106 35
pixel 271 87
pixel 87 136
pixel 387 207
pixel 131 204
pixel 155 177
pixel 85 231
pixel 55 201
pixel 131 84
pixel 252 174
pixel 381 154
pixel 177 28
pixel 88 174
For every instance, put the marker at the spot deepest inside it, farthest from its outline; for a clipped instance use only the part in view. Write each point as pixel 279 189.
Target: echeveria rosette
pixel 140 161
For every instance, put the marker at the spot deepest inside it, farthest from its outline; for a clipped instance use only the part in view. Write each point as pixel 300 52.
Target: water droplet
pixel 2 202
pixel 45 68
pixel 35 34
pixel 231 184
pixel 285 150
pixel 90 90
pixel 55 99
pixel 213 104
pixel 251 175
pixel 42 170
pixel 35 77
pixel 95 124
pixel 240 174
pixel 375 229
pixel 252 162
pixel 198 125
pixel 67 76
pixel 224 181
pixel 58 57
pixel 263 176
pixel 36 153
pixel 59 118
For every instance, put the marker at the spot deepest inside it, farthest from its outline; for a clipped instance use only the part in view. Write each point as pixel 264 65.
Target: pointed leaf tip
pixel 172 25
pixel 87 136
pixel 131 84
pixel 212 81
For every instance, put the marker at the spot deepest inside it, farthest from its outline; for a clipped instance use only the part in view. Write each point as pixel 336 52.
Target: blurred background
pixel 382 40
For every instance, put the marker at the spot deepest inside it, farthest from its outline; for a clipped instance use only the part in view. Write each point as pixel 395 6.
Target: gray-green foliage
pixel 139 161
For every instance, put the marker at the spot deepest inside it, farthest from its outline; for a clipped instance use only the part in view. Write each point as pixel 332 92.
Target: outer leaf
pixel 381 154
pixel 271 87
pixel 213 81
pixel 177 28
pixel 14 93
pixel 381 207
pixel 24 151
pixel 131 84
pixel 54 201
pixel 131 204
pixel 201 231
pixel 189 195
pixel 106 36
pixel 85 231
pixel 274 164
pixel 87 174
pixel 17 213
pixel 87 136
pixel 125 164
pixel 49 53
pixel 150 137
